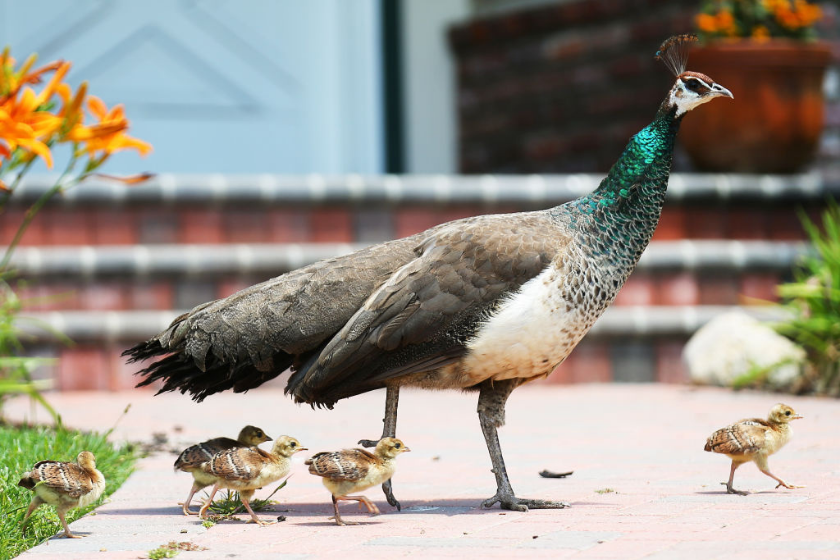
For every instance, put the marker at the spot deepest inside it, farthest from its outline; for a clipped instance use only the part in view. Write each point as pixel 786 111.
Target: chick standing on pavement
pixel 754 439
pixel 246 469
pixel 192 457
pixel 63 485
pixel 355 470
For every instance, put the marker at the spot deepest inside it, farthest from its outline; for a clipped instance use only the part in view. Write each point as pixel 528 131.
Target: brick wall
pixel 561 88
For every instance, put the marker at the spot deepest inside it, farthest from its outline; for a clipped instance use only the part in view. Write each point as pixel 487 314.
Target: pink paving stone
pixel 668 505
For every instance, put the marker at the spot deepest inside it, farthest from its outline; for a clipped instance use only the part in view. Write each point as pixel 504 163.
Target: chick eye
pixel 396 446
pixel 787 413
pixel 293 444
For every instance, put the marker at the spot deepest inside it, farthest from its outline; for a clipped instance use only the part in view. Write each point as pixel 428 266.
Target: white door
pixel 229 86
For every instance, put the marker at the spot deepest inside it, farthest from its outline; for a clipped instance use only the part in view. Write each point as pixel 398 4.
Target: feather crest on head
pixel 674 52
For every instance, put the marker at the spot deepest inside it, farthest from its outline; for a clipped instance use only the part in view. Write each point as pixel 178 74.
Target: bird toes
pixel 510 502
pixel 368 443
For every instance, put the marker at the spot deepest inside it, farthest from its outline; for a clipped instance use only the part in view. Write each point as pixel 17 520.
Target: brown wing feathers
pixel 349 464
pixel 242 463
pixel 67 478
pixel 742 438
pixel 333 320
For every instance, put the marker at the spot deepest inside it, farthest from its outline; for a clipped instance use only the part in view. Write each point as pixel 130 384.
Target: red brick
pixel 706 223
pixel 246 226
pixel 288 225
pixel 590 363
pixel 677 289
pixel 414 220
pixel 158 226
pixel 201 226
pixel 84 368
pixel 756 285
pixel 230 286
pixel 114 227
pixel 10 221
pixel 105 296
pixel 68 226
pixel 640 289
pixel 672 225
pixel 718 290
pixel 785 224
pixel 747 223
pixel 331 225
pixel 669 363
pixel 152 295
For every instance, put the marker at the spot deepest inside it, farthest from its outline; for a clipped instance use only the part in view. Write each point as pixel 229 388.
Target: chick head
pixel 287 446
pixel 86 460
pixel 390 447
pixel 782 413
pixel 253 435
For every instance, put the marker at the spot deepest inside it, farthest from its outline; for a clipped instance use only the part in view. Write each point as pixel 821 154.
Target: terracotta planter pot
pixel 774 123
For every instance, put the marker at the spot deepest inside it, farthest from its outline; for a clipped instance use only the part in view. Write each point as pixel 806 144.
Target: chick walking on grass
pixel 63 485
pixel 355 470
pixel 754 439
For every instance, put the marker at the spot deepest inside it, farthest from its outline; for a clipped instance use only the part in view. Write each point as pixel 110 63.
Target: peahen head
pixel 691 89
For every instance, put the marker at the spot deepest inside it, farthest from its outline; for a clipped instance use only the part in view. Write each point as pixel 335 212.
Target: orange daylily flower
pixel 22 124
pixel 107 136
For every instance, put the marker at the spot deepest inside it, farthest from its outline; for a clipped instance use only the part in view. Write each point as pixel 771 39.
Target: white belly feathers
pixel 531 333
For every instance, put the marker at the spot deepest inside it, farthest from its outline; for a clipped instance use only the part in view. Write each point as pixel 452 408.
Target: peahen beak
pixel 720 91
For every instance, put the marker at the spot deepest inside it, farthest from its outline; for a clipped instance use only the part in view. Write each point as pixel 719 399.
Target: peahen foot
pixel 508 501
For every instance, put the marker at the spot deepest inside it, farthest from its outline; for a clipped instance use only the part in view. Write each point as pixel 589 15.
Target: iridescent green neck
pixel 622 213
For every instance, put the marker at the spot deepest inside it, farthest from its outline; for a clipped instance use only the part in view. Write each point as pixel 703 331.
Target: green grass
pixel 22 448
pixel 228 504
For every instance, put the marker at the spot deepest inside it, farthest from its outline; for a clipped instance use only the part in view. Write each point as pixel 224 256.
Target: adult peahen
pixel 484 303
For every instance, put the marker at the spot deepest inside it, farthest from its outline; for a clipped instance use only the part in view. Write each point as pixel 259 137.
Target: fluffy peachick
pixel 356 470
pixel 63 485
pixel 192 457
pixel 754 439
pixel 481 304
pixel 247 469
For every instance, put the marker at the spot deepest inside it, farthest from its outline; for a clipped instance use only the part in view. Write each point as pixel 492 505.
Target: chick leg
pixel 338 520
pixel 371 507
pixel 762 465
pixel 33 505
pixel 186 506
pixel 392 400
pixel 202 513
pixel 491 413
pixel 729 489
pixel 67 534
pixel 245 496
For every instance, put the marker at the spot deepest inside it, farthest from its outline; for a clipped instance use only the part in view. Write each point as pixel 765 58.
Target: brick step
pixel 630 344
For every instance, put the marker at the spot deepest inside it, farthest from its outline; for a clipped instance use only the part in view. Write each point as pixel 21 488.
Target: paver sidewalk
pixel 642 485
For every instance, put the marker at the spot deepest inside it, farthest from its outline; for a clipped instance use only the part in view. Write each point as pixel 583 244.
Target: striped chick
pixel 355 470
pixel 192 457
pixel 63 485
pixel 246 469
pixel 754 439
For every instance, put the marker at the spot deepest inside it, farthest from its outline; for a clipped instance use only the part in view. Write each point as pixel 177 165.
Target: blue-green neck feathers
pixel 622 213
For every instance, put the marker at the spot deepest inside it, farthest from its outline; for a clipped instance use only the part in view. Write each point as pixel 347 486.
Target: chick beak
pixel 302 449
pixel 268 438
pixel 720 91
pixel 797 417
pixel 406 449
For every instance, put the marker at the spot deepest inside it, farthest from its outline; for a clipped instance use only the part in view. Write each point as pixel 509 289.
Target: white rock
pixel 732 344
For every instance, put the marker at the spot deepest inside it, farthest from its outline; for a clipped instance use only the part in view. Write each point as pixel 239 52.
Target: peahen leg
pixel 392 400
pixel 491 413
